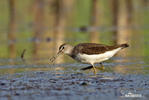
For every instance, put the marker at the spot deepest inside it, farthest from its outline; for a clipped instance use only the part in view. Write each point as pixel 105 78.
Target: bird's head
pixel 63 49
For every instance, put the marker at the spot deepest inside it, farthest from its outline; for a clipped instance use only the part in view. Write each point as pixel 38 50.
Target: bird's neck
pixel 69 51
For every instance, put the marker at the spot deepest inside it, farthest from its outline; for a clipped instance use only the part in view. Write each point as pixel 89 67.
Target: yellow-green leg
pixel 101 67
pixel 94 68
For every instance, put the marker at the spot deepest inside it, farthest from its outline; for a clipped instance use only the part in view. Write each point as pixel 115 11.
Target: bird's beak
pixel 54 57
pixel 59 52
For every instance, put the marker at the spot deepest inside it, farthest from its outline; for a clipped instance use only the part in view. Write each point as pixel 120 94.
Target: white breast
pixel 96 58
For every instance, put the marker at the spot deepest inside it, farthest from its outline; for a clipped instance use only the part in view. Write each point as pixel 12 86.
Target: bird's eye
pixel 61 48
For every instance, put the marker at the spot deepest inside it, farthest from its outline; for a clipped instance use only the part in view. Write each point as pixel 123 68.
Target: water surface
pixel 128 79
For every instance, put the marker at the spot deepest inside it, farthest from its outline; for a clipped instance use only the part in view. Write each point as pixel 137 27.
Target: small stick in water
pixel 22 54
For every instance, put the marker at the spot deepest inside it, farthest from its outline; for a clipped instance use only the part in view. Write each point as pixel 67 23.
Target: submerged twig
pixel 22 55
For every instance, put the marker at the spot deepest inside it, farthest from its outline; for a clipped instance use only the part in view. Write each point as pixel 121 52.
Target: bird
pixel 90 53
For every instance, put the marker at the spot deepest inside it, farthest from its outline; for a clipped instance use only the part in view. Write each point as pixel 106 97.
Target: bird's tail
pixel 124 45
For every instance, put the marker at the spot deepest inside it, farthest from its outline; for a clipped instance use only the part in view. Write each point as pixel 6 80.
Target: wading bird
pixel 89 53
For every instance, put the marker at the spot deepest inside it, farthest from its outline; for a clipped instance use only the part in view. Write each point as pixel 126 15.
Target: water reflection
pixel 125 65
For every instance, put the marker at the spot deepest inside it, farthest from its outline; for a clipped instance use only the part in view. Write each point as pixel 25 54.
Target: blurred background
pixel 32 30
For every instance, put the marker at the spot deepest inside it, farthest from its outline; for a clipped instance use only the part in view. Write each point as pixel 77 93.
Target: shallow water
pixel 128 79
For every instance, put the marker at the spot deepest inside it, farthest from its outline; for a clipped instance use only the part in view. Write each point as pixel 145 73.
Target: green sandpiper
pixel 90 53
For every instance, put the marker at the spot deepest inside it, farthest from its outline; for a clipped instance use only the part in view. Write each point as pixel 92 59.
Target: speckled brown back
pixel 93 48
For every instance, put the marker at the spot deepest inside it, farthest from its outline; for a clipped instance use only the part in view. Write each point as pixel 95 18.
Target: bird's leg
pixel 94 69
pixel 102 67
pixel 90 67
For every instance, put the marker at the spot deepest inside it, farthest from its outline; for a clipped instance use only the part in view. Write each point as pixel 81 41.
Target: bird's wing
pixel 93 48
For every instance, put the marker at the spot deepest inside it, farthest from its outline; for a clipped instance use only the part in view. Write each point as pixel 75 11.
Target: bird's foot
pixel 90 67
pixel 101 68
pixel 94 69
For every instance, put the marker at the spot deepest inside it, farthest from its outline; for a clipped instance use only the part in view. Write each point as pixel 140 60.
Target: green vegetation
pixel 81 17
